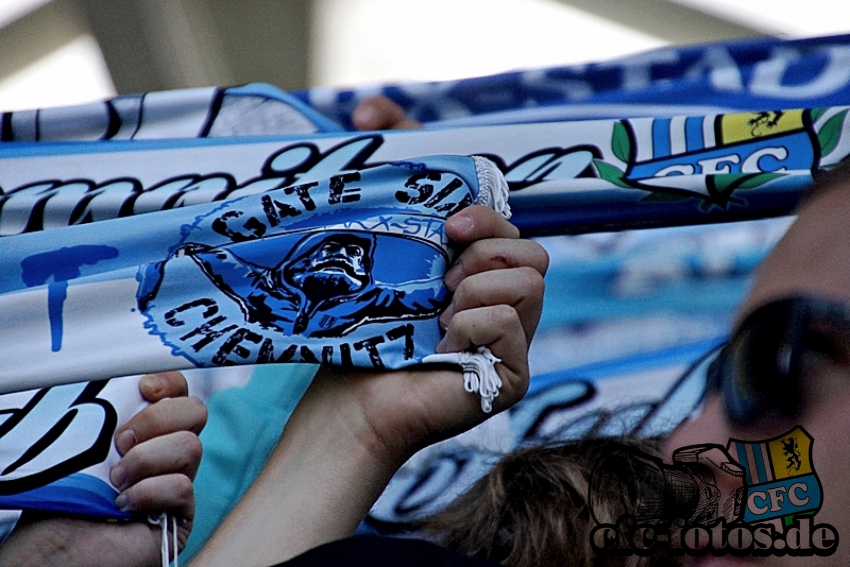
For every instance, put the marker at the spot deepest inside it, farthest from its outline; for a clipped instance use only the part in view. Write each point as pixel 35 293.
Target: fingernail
pixel 454 276
pixel 118 476
pixel 125 440
pixel 441 346
pixel 123 503
pixel 446 317
pixel 461 223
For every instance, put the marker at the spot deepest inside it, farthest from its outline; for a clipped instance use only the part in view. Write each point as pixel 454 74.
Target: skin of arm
pixel 160 456
pixel 352 431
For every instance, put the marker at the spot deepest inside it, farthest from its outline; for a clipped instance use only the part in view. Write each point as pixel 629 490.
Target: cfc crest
pixel 780 476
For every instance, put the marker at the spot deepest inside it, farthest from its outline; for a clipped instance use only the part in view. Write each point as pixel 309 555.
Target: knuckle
pixel 191 448
pixel 532 281
pixel 517 385
pixel 540 257
pixel 503 316
pixel 183 489
pixel 195 449
pixel 514 388
pixel 462 293
pixel 530 254
pixel 459 320
pixel 502 253
pixel 199 410
pixel 474 252
pixel 541 261
pixel 463 322
pixel 506 253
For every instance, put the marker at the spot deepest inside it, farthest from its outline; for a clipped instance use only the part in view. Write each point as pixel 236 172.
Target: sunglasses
pixel 764 365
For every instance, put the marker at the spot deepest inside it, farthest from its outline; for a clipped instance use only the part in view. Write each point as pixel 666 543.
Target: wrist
pixel 319 483
pixel 346 417
pixel 37 543
pixel 391 415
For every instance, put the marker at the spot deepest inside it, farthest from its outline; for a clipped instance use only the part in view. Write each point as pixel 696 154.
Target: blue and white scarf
pixel 346 270
pixel 174 229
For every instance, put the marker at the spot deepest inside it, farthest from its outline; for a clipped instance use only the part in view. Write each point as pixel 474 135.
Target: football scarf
pixel 564 177
pixel 746 75
pixel 197 251
pixel 346 270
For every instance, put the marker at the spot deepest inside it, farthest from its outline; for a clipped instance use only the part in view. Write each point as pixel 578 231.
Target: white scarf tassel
pixel 162 522
pixel 493 188
pixel 479 372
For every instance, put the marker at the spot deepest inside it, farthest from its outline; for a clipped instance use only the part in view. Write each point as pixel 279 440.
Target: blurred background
pixel 70 51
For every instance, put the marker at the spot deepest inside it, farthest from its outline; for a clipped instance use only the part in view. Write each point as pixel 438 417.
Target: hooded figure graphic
pixel 322 288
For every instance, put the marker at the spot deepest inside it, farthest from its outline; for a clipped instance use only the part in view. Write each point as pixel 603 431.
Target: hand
pixel 353 430
pixel 380 113
pixel 497 285
pixel 160 455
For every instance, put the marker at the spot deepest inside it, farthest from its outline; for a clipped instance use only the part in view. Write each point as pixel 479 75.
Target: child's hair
pixel 532 510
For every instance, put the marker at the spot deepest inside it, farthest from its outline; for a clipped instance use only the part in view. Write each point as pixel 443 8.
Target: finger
pixel 155 387
pixel 478 222
pixel 407 124
pixel 496 254
pixel 178 452
pixel 499 328
pixel 163 417
pixel 381 113
pixel 521 288
pixel 171 493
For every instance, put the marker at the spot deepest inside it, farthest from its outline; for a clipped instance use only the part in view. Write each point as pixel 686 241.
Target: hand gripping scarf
pixel 56 446
pixel 345 271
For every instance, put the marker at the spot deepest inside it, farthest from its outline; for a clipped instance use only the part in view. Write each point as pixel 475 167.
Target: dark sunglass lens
pixel 743 385
pixel 763 362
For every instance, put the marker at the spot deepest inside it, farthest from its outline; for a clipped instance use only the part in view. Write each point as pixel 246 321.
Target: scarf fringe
pixel 493 188
pixel 479 373
pixel 162 521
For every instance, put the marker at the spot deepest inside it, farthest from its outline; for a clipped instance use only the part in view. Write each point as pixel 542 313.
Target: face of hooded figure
pixel 339 264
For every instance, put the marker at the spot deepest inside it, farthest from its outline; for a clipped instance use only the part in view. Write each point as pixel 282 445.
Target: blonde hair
pixel 532 510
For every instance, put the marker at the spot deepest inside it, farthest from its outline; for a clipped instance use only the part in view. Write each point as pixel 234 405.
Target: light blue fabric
pixel 305 274
pixel 244 426
pixel 742 75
